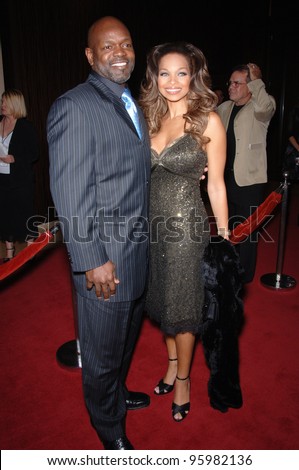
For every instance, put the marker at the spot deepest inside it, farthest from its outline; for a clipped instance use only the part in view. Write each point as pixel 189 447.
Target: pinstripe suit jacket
pixel 99 180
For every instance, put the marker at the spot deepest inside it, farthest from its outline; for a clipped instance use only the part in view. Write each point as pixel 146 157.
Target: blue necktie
pixel 132 110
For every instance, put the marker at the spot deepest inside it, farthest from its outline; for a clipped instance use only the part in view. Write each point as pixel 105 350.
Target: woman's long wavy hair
pixel 201 99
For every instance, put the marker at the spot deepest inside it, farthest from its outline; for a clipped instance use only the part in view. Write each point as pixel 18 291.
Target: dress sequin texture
pixel 179 234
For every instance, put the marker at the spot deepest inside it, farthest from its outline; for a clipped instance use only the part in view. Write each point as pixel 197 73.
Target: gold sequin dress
pixel 179 233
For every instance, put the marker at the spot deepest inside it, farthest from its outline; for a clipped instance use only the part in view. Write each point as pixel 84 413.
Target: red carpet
pixel 42 404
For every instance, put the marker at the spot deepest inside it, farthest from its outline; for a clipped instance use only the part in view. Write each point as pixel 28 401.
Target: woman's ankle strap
pixel 186 378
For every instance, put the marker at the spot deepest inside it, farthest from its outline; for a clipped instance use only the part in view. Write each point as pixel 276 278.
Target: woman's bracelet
pixel 223 232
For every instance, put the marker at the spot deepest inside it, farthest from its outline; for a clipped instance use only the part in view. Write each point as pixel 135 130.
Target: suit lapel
pixel 107 94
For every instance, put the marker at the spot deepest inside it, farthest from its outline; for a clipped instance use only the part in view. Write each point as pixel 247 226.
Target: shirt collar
pixel 116 88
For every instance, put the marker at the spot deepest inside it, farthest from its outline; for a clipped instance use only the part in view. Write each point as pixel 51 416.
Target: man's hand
pixel 103 279
pixel 254 71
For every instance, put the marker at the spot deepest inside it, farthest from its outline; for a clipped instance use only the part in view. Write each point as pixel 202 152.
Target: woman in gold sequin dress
pixel 186 135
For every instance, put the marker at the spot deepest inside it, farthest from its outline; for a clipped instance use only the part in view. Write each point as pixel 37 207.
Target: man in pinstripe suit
pixel 99 178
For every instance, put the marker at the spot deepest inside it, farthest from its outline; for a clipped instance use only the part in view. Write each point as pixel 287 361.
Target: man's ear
pixel 89 55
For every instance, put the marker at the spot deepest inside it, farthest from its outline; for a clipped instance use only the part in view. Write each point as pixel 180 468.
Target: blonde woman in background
pixel 18 152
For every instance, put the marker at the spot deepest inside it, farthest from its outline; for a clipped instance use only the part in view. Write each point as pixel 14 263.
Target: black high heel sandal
pixel 163 387
pixel 182 409
pixel 11 257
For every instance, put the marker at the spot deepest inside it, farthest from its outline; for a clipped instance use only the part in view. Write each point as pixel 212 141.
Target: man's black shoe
pixel 136 400
pixel 122 443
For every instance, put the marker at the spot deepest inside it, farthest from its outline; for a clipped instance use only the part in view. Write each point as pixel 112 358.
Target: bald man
pixel 99 177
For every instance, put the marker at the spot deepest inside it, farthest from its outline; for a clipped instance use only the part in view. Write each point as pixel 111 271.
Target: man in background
pixel 246 117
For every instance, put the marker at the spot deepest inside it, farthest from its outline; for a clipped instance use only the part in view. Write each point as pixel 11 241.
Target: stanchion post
pixel 279 280
pixel 69 355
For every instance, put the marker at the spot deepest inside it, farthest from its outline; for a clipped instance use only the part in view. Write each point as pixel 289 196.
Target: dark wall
pixel 43 45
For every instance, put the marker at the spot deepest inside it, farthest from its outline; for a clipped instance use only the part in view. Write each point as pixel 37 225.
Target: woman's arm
pixel 7 159
pixel 216 152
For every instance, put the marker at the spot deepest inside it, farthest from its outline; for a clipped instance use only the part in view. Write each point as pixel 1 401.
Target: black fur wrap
pixel 222 322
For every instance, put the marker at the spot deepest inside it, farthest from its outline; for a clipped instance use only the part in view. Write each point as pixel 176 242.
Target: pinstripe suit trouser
pixel 107 332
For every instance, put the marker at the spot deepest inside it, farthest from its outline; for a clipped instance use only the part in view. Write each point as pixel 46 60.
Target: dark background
pixel 43 45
